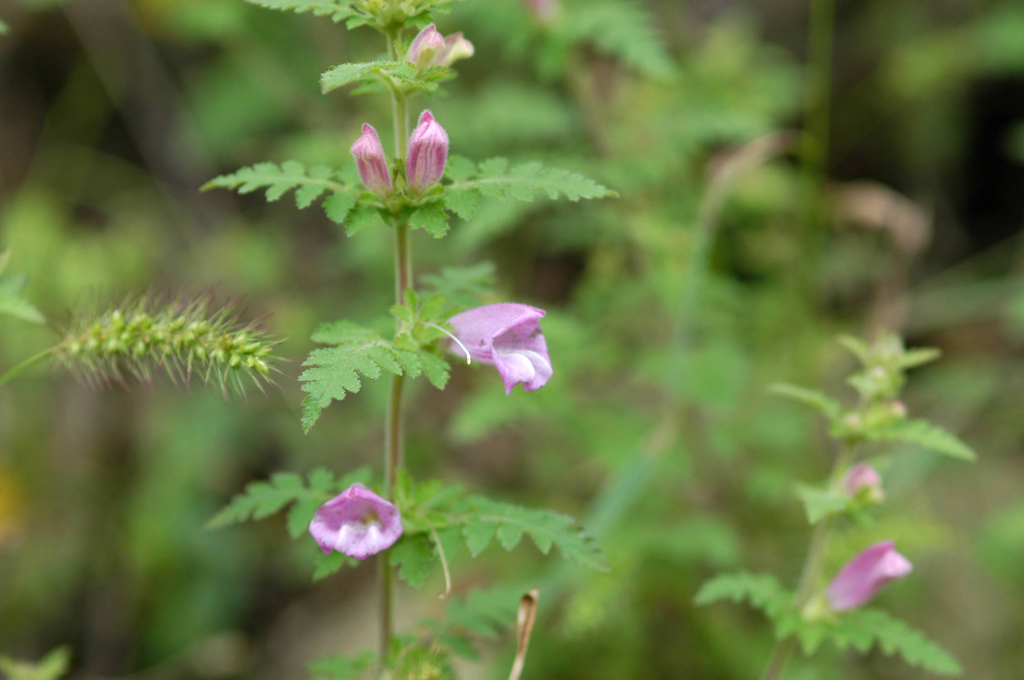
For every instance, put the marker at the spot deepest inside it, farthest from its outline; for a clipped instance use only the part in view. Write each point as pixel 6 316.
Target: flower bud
pixel 864 575
pixel 455 47
pixel 371 162
pixel 425 47
pixel 862 479
pixel 546 12
pixel 428 153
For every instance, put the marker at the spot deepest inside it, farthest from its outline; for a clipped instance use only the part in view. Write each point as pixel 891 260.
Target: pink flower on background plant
pixel 427 44
pixel 428 153
pixel 430 48
pixel 862 478
pixel 357 523
pixel 507 336
pixel 864 575
pixel 371 162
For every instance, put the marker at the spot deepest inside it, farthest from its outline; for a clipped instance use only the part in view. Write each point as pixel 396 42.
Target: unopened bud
pixel 545 11
pixel 371 162
pixel 455 47
pixel 864 480
pixel 428 153
pixel 425 47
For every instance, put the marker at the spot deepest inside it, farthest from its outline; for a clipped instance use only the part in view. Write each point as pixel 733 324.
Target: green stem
pixel 816 112
pixel 24 365
pixel 811 573
pixel 393 422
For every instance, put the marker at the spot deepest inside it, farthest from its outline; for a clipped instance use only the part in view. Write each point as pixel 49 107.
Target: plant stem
pixel 24 365
pixel 811 573
pixel 393 419
pixel 816 115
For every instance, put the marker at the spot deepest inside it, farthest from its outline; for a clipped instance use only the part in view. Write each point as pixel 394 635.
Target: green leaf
pixel 459 168
pixel 337 10
pixel 51 667
pixel 377 76
pixel 861 629
pixel 912 358
pixel 624 30
pixel 509 522
pixel 4 28
pixel 523 182
pixel 432 218
pixel 762 591
pixel 925 435
pixel 330 564
pixel 11 301
pixel 413 555
pixel 338 667
pixel 813 398
pixel 309 185
pixel 464 286
pixel 361 217
pixel 819 503
pixel 333 372
pixel 337 207
pixel 462 202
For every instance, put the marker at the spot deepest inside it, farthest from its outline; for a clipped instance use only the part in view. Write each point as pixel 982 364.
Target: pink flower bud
pixel 507 336
pixel 455 47
pixel 862 478
pixel 864 575
pixel 357 523
pixel 371 162
pixel 546 11
pixel 428 153
pixel 425 48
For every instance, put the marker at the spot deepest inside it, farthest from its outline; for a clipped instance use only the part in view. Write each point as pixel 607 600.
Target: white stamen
pixel 458 342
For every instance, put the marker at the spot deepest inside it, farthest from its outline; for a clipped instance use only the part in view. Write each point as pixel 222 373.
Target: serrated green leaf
pixel 435 368
pixel 309 184
pixel 925 435
pixel 459 168
pixel 338 667
pixel 464 286
pixel 377 76
pixel 462 202
pixel 330 564
pixel 337 207
pixel 361 217
pixel 624 30
pixel 762 591
pixel 819 503
pixel 413 555
pixel 431 218
pixel 545 528
pixel 337 10
pixel 813 398
pixel 525 181
pixel 478 534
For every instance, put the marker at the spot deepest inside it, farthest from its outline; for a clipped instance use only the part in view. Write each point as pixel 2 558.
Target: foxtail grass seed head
pixel 357 522
pixel 428 153
pixel 184 339
pixel 371 161
pixel 863 576
pixel 508 337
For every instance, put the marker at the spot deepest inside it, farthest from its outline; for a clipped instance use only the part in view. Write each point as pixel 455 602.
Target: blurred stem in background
pixel 816 125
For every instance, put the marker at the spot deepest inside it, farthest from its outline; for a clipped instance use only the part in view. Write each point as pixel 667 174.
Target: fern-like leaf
pixel 335 371
pixel 523 182
pixel 337 10
pixel 813 398
pixel 309 185
pixel 377 76
pixel 487 519
pixel 762 591
pixel 338 667
pixel 623 29
pixel 925 435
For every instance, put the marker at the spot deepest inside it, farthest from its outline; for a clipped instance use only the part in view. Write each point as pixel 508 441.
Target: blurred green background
pixel 671 309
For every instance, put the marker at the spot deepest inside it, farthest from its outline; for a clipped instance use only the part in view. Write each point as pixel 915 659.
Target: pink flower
pixel 546 11
pixel 864 575
pixel 507 336
pixel 864 479
pixel 428 153
pixel 427 45
pixel 357 523
pixel 371 162
pixel 430 48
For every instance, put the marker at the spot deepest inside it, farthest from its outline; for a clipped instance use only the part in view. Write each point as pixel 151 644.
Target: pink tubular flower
pixel 455 47
pixel 864 479
pixel 864 575
pixel 428 153
pixel 507 336
pixel 357 523
pixel 371 162
pixel 425 47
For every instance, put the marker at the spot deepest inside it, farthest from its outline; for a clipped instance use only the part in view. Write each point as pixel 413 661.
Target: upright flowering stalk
pixel 428 153
pixel 371 162
pixel 864 575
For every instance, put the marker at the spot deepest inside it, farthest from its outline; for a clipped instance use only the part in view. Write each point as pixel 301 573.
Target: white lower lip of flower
pixel 357 533
pixel 525 363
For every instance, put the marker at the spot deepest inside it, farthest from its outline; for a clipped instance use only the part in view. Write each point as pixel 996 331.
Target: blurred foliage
pixel 671 311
